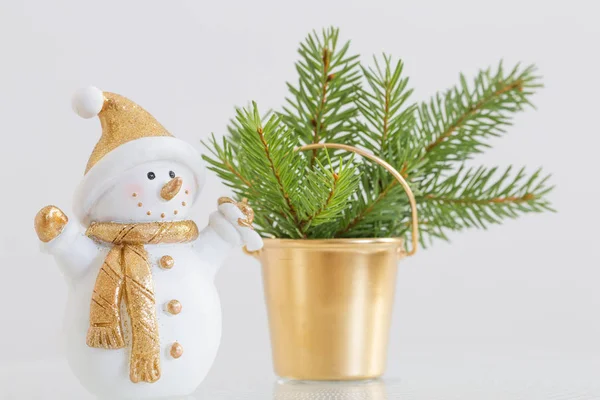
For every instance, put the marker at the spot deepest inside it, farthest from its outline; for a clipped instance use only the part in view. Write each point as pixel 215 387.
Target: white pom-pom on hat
pixel 87 102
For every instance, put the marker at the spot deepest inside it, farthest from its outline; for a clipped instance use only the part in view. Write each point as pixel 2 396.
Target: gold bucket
pixel 330 301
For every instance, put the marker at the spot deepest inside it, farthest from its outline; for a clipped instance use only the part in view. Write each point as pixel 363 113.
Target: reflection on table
pixel 304 390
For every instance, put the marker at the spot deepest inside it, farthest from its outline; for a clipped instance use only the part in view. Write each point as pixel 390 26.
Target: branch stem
pixel 307 221
pixel 518 85
pixel 234 171
pixel 367 210
pixel 386 116
pixel 318 118
pixel 494 200
pixel 277 177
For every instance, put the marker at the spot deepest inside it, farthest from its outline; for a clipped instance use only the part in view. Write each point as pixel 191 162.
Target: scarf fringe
pixel 105 337
pixel 145 368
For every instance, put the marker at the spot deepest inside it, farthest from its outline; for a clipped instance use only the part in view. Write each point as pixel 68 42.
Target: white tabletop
pixel 52 379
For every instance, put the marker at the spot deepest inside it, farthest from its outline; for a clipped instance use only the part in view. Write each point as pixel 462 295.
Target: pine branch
pixel 269 153
pixel 290 198
pixel 473 110
pixel 321 105
pixel 341 187
pixel 479 197
pixel 318 213
pixel 233 127
pixel 387 121
pixel 454 126
pixel 277 174
pixel 223 163
pixel 336 100
pixel 365 211
pixel 378 217
pixel 387 118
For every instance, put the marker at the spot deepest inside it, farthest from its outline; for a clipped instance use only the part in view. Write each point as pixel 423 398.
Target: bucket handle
pixel 390 169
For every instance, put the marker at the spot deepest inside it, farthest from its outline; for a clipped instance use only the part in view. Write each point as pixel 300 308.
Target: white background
pixel 526 290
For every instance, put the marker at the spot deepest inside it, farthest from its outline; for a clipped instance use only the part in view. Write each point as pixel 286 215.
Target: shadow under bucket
pixel 330 304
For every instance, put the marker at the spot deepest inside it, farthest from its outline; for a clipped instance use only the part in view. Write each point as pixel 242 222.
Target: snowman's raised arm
pixel 224 233
pixel 212 246
pixel 65 239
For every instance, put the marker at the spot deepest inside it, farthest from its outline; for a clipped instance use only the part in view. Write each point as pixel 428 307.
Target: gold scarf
pixel 127 271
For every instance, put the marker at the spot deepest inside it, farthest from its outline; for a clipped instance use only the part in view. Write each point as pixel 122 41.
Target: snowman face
pixel 154 191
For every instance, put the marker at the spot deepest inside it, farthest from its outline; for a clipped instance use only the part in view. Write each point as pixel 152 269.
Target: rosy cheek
pixel 134 190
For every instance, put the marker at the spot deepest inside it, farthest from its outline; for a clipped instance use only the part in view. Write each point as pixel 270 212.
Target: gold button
pixel 167 262
pixel 174 307
pixel 176 350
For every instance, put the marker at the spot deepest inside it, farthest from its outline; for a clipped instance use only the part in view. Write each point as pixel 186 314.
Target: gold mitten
pixel 49 223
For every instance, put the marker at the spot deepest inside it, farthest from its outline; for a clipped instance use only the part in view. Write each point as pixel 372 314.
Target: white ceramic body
pixel 197 327
pixel 134 196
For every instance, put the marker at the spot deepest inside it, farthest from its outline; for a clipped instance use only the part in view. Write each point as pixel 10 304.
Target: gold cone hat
pixel 122 121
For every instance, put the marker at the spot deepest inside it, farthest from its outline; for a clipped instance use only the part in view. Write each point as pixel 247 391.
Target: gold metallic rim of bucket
pixel 329 301
pixel 335 244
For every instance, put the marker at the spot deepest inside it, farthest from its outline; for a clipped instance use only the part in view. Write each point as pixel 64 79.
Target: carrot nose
pixel 171 188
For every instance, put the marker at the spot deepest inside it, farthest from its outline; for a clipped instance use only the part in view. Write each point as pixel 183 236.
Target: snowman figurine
pixel 143 317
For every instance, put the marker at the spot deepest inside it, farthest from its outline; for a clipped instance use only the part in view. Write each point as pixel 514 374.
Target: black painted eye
pixel 151 175
pixel 172 174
